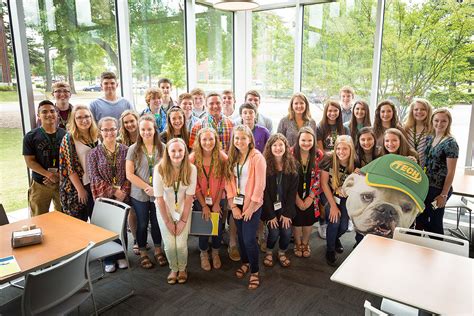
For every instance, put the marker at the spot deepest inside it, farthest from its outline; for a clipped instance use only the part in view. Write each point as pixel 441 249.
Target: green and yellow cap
pixel 398 173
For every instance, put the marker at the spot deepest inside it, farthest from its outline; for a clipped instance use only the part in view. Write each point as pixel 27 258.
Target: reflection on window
pixel 273 59
pixel 214 49
pixel 338 49
pixel 158 46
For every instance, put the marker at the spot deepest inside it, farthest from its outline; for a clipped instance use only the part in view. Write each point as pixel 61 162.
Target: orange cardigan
pixel 256 180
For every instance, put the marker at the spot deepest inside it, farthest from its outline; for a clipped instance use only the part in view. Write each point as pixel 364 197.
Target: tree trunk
pixel 70 70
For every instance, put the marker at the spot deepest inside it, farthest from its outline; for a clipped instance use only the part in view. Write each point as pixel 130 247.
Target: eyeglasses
pixel 59 91
pixel 83 118
pixel 109 130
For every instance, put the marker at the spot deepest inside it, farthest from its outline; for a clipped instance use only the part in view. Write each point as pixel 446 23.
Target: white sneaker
pixel 122 264
pixel 322 230
pixel 350 228
pixel 110 268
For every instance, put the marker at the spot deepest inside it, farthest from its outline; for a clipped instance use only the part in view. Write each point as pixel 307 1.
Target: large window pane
pixel 427 52
pixel 158 46
pixel 273 59
pixel 13 175
pixel 214 48
pixel 73 41
pixel 338 49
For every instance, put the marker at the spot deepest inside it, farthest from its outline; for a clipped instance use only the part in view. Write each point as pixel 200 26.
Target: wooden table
pixel 425 278
pixel 463 184
pixel 63 236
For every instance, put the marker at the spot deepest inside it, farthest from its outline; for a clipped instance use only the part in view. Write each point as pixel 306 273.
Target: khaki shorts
pixel 40 196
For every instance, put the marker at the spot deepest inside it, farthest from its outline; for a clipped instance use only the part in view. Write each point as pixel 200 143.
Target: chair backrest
pixel 372 311
pixel 50 287
pixel 439 242
pixel 3 216
pixel 111 215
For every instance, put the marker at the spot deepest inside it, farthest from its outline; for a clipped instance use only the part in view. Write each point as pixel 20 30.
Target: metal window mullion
pixel 190 38
pixel 124 50
pixel 242 53
pixel 377 54
pixel 299 16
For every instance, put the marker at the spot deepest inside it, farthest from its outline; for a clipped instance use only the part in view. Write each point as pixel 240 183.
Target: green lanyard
pixel 176 190
pixel 239 172
pixel 305 171
pixel 208 176
pixel 53 145
pixel 112 160
pixel 278 182
pixel 151 163
pixel 415 140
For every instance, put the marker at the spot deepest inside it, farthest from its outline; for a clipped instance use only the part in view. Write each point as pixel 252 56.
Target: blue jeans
pixel 112 259
pixel 146 213
pixel 274 233
pixel 337 229
pixel 215 240
pixel 247 235
pixel 431 219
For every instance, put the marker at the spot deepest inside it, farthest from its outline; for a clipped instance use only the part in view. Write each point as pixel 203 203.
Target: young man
pixel 41 154
pixel 153 97
pixel 110 104
pixel 228 105
pixel 198 98
pixel 216 120
pixel 167 102
pixel 62 94
pixel 185 102
pixel 346 95
pixel 253 97
pixel 248 113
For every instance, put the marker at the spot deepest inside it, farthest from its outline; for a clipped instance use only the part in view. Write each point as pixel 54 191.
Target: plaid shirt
pixel 223 127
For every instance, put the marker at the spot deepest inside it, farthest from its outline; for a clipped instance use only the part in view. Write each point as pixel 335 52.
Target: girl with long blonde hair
pixel 418 126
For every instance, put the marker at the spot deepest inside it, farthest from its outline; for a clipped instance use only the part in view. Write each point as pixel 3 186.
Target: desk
pixel 63 236
pixel 432 280
pixel 463 184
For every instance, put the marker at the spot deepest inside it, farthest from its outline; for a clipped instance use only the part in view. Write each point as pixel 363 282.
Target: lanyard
pixel 151 162
pixel 63 122
pixel 278 182
pixel 53 145
pixel 415 140
pixel 305 171
pixel 176 190
pixel 208 175
pixel 112 160
pixel 239 172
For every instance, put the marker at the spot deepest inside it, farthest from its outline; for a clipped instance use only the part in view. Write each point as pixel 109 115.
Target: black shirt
pixel 45 148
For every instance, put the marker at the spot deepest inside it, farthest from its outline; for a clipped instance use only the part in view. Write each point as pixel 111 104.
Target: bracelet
pixel 443 195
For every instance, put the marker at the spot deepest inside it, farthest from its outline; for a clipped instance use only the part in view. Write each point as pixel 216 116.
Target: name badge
pixel 53 170
pixel 304 195
pixel 338 200
pixel 208 200
pixel 277 206
pixel 116 187
pixel 176 216
pixel 239 200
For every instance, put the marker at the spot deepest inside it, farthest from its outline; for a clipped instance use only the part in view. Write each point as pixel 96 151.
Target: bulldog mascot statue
pixel 388 192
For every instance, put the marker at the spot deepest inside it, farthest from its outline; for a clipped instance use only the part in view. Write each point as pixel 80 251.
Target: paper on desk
pixel 8 265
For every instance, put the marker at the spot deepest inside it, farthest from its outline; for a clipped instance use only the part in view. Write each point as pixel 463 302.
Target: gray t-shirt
pixel 101 108
pixel 143 172
pixel 289 128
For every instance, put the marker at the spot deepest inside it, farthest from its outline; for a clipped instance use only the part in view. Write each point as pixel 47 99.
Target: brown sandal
pixel 298 250
pixel 182 277
pixel 172 278
pixel 268 260
pixel 242 271
pixel 254 281
pixel 284 261
pixel 161 259
pixel 306 250
pixel 145 262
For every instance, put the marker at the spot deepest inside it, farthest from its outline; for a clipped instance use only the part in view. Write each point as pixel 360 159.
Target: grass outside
pixel 8 96
pixel 13 175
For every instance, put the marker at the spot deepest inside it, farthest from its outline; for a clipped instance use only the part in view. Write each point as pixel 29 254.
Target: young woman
pixel 365 147
pixel 441 157
pixel 334 171
pixel 418 127
pixel 175 185
pixel 330 126
pixel 153 101
pixel 307 199
pixel 141 159
pixel 211 164
pixel 175 127
pixel 299 115
pixel 395 142
pixel 107 175
pixel 245 196
pixel 128 128
pixel 360 118
pixel 74 183
pixel 385 117
pixel 279 199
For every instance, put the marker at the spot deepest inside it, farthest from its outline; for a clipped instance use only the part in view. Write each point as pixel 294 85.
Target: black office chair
pixel 3 216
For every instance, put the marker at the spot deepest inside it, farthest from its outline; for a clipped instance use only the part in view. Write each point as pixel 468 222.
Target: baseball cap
pixel 399 173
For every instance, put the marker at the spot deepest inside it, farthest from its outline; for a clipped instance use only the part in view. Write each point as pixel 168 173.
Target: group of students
pixel 177 157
